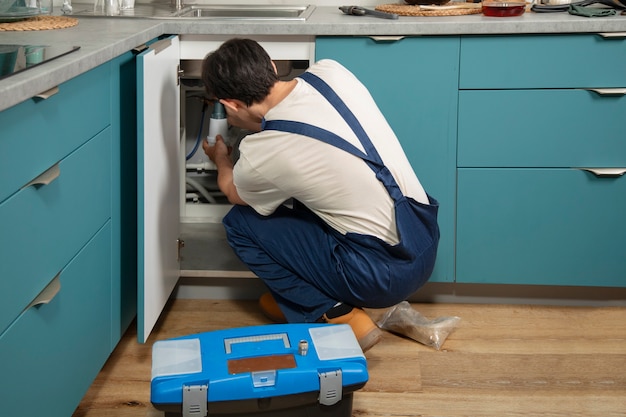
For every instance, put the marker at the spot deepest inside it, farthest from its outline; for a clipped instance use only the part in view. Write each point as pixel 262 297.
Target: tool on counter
pixel 548 6
pixel 362 11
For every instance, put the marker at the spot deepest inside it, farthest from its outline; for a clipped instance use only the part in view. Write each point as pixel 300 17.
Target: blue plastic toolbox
pixel 279 370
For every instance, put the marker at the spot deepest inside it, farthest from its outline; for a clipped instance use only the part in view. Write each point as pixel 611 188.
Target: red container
pixel 503 9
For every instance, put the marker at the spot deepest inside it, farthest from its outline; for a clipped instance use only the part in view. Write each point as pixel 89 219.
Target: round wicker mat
pixel 40 23
pixel 415 10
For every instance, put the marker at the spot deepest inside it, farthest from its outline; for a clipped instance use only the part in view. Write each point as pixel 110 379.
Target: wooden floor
pixel 501 361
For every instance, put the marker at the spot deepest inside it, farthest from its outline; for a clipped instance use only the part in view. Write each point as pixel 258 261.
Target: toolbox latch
pixel 331 386
pixel 263 379
pixel 195 399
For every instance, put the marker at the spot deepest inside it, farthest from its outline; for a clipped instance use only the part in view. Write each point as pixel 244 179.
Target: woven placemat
pixel 415 10
pixel 40 23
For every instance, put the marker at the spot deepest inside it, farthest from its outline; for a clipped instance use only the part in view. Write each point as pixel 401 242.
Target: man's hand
pixel 220 155
pixel 217 151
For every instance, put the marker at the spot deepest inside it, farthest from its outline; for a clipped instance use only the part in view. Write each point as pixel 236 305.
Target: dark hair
pixel 239 69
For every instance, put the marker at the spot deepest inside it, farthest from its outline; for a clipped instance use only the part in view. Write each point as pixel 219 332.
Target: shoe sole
pixel 371 339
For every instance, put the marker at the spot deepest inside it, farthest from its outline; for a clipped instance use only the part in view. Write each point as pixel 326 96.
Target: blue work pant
pixel 309 267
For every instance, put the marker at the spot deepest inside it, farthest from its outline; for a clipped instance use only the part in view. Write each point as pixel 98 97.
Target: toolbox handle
pixel 228 343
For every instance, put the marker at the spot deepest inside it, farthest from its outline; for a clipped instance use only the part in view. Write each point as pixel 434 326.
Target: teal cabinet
pixel 414 82
pixel 38 133
pixel 66 203
pixel 44 225
pixel 52 352
pixel 541 226
pixel 542 61
pixel 541 153
pixel 124 198
pixel 541 128
pixel 520 138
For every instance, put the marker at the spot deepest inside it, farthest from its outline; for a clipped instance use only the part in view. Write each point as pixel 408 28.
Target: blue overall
pixel 308 266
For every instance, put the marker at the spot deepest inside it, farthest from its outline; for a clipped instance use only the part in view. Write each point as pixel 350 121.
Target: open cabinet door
pixel 158 223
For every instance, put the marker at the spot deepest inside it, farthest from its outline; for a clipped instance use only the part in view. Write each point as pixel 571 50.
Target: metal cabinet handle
pixel 161 45
pixel 47 294
pixel 46 177
pixel 605 172
pixel 139 49
pixel 48 93
pixel 608 91
pixel 386 38
pixel 613 35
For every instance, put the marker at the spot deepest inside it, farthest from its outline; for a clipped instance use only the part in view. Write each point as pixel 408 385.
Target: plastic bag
pixel 406 321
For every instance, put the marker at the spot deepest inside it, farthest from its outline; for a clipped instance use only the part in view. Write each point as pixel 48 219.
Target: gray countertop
pixel 101 39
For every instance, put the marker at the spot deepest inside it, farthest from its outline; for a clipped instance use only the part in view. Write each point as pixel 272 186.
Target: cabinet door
pixel 52 352
pixel 541 226
pixel 158 224
pixel 415 84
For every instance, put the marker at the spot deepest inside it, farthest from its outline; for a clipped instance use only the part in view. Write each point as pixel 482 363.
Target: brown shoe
pixel 365 330
pixel 270 308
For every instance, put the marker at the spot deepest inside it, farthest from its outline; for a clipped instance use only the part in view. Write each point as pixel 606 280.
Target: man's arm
pixel 220 156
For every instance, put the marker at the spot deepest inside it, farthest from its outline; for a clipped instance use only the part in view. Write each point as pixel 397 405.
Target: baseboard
pixel 433 292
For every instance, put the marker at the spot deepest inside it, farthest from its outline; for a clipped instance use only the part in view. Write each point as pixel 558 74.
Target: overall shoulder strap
pixel 371 156
pixel 332 97
pixel 314 132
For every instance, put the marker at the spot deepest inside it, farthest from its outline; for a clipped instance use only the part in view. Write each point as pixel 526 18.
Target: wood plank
pixel 524 372
pixel 461 403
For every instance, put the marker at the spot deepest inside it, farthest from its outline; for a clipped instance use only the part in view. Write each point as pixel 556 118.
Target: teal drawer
pixel 37 133
pixel 541 226
pixel 541 128
pixel 542 61
pixel 50 355
pixel 44 226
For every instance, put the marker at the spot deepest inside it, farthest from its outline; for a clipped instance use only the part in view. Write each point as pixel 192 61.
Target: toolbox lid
pixel 257 362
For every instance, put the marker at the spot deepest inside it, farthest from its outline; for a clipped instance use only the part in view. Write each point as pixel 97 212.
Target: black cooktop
pixel 17 58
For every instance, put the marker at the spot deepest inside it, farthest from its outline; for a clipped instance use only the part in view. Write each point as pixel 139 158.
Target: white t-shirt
pixel 339 187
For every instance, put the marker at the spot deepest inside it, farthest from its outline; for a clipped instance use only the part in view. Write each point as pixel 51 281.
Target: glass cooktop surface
pixel 17 58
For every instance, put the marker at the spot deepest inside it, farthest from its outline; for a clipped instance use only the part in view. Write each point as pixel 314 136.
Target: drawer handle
pixel 139 49
pixel 608 91
pixel 609 35
pixel 47 176
pixel 161 45
pixel 47 294
pixel 48 93
pixel 606 172
pixel 386 38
